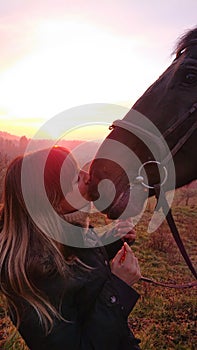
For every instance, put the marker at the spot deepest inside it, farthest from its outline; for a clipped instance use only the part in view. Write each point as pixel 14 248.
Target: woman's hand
pixel 125 265
pixel 124 230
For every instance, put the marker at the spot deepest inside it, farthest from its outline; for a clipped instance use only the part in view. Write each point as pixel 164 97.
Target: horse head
pixel 156 138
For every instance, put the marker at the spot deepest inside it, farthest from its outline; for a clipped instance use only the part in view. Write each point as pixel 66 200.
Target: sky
pixel 58 54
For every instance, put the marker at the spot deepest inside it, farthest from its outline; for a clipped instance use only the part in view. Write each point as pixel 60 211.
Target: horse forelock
pixel 186 40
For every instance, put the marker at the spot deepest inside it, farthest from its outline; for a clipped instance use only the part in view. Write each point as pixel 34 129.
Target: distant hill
pixel 45 143
pixel 42 142
pixel 8 136
pixel 13 145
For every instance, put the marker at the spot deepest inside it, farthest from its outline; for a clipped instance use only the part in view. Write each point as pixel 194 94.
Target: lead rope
pixel 167 211
pixel 169 285
pixel 170 220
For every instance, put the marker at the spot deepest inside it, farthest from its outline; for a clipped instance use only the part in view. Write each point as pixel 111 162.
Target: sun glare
pixel 74 63
pixel 86 133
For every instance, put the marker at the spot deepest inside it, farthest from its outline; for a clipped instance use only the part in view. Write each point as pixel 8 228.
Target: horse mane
pixel 184 41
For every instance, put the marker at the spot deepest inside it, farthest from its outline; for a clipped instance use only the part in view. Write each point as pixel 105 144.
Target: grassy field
pixel 163 318
pixel 166 318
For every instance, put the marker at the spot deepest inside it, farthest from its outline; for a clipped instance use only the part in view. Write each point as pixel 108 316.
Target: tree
pixel 22 144
pixel 4 161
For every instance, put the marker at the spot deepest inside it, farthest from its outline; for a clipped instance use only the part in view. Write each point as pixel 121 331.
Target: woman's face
pixel 77 198
pixel 80 183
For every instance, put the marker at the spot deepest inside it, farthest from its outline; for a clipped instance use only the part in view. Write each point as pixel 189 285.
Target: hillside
pixel 7 136
pixel 164 319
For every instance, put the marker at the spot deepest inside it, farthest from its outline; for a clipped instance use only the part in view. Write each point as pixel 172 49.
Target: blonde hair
pixel 23 245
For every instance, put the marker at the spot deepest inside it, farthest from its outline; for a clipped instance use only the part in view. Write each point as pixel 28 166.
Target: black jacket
pixel 95 307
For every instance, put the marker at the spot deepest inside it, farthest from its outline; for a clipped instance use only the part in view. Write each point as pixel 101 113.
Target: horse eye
pixel 190 78
pixel 179 53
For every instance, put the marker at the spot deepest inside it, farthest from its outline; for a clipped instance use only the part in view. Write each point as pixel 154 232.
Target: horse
pixel 160 133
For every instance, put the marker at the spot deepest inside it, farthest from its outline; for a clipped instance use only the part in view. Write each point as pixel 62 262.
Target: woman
pixel 55 273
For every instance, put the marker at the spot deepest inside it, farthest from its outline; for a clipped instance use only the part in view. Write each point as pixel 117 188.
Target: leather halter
pixel 129 126
pixel 158 187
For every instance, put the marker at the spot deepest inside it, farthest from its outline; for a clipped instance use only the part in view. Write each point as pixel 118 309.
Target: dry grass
pixel 163 319
pixel 166 318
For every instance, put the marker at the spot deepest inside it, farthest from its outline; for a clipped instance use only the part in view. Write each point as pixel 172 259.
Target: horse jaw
pixel 128 204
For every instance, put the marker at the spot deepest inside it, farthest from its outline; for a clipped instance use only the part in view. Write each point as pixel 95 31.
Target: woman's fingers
pixel 127 248
pixel 119 256
pixel 125 265
pixel 124 230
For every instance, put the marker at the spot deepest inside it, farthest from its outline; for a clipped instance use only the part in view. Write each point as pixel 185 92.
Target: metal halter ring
pixel 140 178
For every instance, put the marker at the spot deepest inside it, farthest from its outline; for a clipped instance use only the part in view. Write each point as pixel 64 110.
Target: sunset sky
pixel 58 54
